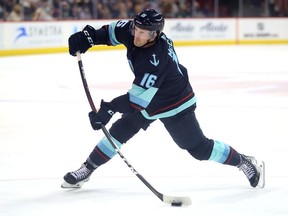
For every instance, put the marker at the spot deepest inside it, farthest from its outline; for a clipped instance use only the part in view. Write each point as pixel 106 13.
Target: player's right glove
pixel 81 41
pixel 103 116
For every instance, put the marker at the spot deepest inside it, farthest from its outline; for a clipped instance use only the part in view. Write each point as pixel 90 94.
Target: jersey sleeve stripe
pixel 141 96
pixel 111 33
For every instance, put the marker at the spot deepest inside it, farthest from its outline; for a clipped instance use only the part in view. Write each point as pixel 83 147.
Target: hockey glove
pixel 103 116
pixel 81 41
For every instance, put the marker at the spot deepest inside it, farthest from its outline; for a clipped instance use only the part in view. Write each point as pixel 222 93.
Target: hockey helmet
pixel 149 19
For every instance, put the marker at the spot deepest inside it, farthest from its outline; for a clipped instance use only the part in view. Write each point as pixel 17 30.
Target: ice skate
pixel 77 178
pixel 254 170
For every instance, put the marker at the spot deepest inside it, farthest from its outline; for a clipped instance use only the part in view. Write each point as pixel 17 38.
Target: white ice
pixel 45 132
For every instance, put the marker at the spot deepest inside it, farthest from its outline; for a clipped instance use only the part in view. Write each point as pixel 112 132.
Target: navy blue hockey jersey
pixel 161 86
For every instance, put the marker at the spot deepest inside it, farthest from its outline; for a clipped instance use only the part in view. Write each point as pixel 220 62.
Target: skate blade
pixel 70 186
pixel 261 183
pixel 78 185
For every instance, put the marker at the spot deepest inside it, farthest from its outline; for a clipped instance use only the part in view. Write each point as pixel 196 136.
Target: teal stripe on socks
pixel 105 146
pixel 220 152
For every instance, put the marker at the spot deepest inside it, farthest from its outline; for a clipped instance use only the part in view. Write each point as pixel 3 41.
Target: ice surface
pixel 45 132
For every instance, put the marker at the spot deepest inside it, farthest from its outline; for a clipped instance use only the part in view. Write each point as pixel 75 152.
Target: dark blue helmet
pixel 149 19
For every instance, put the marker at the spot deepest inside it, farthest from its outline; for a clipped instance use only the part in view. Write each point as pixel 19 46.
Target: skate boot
pixel 77 178
pixel 254 170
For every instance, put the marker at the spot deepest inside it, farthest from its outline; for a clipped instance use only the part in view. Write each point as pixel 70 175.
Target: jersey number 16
pixel 148 80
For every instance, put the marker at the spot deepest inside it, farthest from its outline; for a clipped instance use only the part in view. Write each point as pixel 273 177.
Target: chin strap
pixel 148 43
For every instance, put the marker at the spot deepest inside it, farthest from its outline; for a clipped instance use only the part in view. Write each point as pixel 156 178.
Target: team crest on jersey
pixel 154 62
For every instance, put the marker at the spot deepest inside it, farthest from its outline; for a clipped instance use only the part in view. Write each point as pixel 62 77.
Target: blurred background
pixel 32 10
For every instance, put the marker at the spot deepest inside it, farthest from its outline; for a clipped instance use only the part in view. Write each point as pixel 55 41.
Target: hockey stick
pixel 171 200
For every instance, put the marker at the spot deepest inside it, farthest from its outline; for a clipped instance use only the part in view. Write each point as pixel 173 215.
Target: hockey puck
pixel 178 204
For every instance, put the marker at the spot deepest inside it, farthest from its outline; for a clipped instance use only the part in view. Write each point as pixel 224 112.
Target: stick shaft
pixel 84 81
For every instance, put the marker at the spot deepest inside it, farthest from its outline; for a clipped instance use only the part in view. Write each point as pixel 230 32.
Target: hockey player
pixel 161 90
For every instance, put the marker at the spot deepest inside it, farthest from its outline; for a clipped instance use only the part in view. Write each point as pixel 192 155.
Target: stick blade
pixel 177 201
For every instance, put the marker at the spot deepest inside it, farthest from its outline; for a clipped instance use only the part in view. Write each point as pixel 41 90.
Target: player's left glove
pixel 81 41
pixel 103 116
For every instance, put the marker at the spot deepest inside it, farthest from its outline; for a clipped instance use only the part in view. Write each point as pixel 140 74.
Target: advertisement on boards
pixel 201 29
pixel 33 35
pixel 45 37
pixel 263 29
